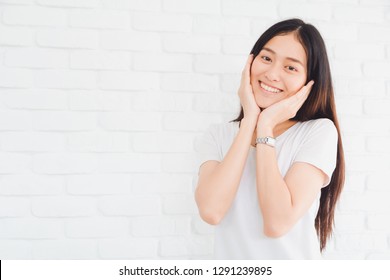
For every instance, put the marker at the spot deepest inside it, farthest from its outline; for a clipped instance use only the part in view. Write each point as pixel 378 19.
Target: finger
pixel 247 68
pixel 305 90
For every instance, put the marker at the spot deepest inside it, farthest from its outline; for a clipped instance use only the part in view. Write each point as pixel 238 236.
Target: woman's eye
pixel 291 68
pixel 266 58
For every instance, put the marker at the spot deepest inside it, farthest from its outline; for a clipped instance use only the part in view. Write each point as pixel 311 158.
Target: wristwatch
pixel 266 140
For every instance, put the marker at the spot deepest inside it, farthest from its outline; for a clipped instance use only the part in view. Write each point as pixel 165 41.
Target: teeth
pixel 271 89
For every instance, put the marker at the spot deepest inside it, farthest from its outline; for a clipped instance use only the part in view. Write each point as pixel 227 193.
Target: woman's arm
pixel 219 181
pixel 283 201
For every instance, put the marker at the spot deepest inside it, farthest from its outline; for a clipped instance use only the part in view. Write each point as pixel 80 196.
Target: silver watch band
pixel 266 140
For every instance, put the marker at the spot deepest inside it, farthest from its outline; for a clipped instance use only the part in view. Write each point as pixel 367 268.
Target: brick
pixel 16 2
pixel 376 69
pixel 353 143
pixel 314 11
pixel 32 142
pixel 201 246
pixel 128 80
pixel 338 32
pixel 216 103
pixel 377 181
pixel 30 228
pixel 178 162
pixel 16 78
pixel 346 69
pixel 91 100
pixel 249 8
pixel 99 184
pixel 377 107
pixel 15 250
pixel 221 25
pixel 63 121
pixel 162 22
pixel 346 105
pixel 370 202
pixel 360 242
pixel 350 223
pixel 130 121
pixel 129 163
pixel 180 204
pixel 65 79
pixel 237 45
pixel 135 41
pixel 167 142
pixel 15 120
pixel 99 60
pixel 63 207
pixel 14 207
pixel 194 7
pixel 70 3
pixel 16 36
pixel 362 51
pixel 104 19
pixel 167 102
pixel 378 222
pixel 357 124
pixel 174 247
pixel 201 227
pixel 161 183
pixel 98 141
pixel 219 64
pixel 35 16
pixel 128 248
pixel 134 5
pixel 355 182
pixel 367 88
pixel 187 122
pixel 193 82
pixel 162 62
pixel 31 184
pixel 230 83
pixel 364 163
pixel 13 163
pixel 191 44
pixel 96 227
pixel 378 256
pixel 67 38
pixel 374 33
pixel 64 163
pixel 65 249
pixel 35 99
pixel 359 13
pixel 130 205
pixel 152 226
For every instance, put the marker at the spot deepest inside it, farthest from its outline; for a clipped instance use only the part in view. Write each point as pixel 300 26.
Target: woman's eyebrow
pixel 289 58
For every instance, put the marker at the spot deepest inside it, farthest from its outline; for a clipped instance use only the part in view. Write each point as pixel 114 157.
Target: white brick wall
pixel 101 100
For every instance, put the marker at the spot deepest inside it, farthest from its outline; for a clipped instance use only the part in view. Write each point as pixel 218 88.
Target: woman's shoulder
pixel 319 124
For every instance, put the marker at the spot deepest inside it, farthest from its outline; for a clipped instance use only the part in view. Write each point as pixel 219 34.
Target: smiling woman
pixel 270 179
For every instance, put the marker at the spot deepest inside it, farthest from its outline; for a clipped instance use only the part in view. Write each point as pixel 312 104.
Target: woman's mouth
pixel 269 88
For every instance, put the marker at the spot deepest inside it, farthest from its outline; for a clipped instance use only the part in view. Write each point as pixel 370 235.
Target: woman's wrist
pixel 264 131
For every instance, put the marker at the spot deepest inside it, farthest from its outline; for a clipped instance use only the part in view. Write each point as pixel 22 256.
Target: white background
pixel 101 101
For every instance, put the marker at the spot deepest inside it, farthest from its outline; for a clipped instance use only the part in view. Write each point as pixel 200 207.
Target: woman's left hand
pixel 283 110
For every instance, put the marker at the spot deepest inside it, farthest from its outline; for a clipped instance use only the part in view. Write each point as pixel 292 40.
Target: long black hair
pixel 319 104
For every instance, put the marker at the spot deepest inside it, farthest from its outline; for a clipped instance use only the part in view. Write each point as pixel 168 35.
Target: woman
pixel 270 179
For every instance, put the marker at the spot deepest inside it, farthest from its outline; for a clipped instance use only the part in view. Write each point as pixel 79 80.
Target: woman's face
pixel 279 70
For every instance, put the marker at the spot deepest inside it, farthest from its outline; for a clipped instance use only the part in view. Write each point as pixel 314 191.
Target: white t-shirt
pixel 240 233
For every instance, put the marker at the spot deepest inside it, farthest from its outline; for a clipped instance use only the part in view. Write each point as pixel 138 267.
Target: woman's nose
pixel 273 74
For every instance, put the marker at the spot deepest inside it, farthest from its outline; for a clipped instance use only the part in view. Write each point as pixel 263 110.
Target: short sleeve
pixel 319 148
pixel 207 146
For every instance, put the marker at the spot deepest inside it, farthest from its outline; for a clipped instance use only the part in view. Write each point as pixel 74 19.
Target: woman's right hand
pixel 245 92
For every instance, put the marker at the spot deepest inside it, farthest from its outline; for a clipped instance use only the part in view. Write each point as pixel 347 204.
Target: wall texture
pixel 101 101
